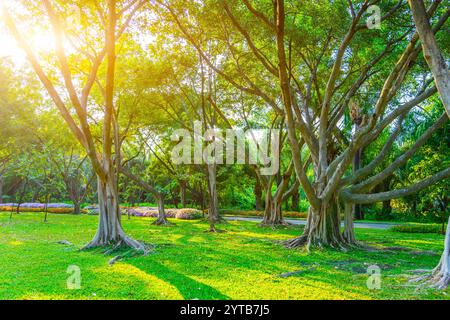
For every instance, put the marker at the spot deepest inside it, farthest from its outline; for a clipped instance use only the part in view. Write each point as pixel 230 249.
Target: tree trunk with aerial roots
pixel 110 231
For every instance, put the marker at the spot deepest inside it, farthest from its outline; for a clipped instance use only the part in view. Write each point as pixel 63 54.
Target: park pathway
pixel 369 225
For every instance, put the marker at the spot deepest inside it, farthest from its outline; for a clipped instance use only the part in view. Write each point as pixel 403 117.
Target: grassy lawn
pixel 243 263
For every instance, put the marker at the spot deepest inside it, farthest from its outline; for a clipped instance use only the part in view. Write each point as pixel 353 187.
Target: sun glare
pixel 41 42
pixel 39 38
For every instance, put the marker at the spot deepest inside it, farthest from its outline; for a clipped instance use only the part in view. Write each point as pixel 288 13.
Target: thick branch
pixel 394 194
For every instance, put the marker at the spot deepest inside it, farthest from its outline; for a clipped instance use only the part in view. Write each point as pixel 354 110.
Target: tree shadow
pixel 188 287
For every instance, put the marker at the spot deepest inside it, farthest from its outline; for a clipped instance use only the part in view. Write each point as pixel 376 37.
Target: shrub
pixel 184 214
pixel 188 214
pixel 418 228
pixel 37 207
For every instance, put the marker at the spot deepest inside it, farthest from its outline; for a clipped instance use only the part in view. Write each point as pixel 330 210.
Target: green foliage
pixel 419 228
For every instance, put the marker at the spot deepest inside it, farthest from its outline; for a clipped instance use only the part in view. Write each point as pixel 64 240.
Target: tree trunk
pixel 213 210
pixel 273 215
pixel 295 201
pixel 110 230
pixel 357 212
pixel 323 229
pixel 76 207
pixel 431 52
pixel 183 193
pixel 349 229
pixel 47 200
pixel 257 190
pixel 22 194
pixel 441 274
pixel 162 219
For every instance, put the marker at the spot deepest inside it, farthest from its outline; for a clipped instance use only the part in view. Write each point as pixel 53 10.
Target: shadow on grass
pixel 188 287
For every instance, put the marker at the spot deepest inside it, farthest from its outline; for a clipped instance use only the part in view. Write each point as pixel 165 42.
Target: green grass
pixel 243 263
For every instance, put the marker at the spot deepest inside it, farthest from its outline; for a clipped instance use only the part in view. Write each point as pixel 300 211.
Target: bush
pixel 38 207
pixel 184 214
pixel 418 228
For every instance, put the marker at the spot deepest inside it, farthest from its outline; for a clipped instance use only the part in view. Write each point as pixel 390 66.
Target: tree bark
pixel 357 212
pixel 47 200
pixel 322 230
pixel 110 231
pixel 183 193
pixel 162 219
pixel 440 277
pixel 349 230
pixel 77 207
pixel 431 52
pixel 213 210
pixel 257 190
pixel 441 74
pixel 273 215
pixel 295 201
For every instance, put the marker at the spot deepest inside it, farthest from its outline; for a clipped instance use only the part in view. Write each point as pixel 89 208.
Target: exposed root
pixel 440 281
pixel 114 260
pixel 275 224
pixel 123 242
pixel 354 244
pixel 162 222
pixel 436 280
pixel 301 241
pixel 306 242
pixel 65 242
pixel 212 229
pixel 420 271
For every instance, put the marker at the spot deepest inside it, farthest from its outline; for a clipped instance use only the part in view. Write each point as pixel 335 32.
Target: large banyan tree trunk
pixel 440 277
pixel 272 212
pixel 273 215
pixel 322 229
pixel 110 232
